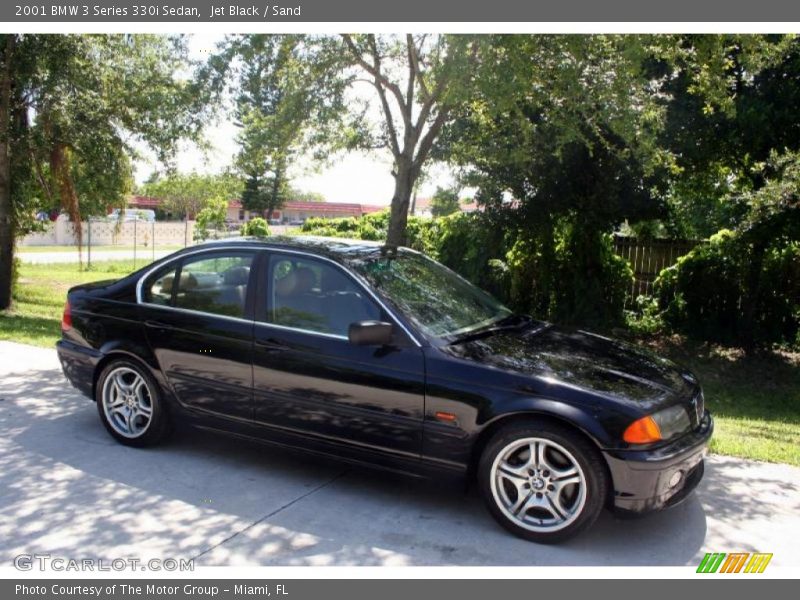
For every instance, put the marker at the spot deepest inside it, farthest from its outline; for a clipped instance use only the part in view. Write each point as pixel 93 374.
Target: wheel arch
pixel 118 352
pixel 577 426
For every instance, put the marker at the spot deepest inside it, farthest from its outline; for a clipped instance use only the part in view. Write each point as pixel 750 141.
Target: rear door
pixel 310 380
pixel 198 317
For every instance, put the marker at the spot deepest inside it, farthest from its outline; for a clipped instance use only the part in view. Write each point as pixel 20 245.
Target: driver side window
pixel 315 296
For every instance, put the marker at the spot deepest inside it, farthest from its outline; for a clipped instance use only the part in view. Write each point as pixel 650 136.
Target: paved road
pixel 67 489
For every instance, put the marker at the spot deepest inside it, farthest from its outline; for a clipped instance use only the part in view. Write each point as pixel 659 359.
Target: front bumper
pixel 648 480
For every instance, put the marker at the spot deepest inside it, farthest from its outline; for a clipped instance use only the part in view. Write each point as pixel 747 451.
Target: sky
pixel 348 177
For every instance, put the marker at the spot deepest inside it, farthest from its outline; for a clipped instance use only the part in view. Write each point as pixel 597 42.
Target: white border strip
pixel 405 27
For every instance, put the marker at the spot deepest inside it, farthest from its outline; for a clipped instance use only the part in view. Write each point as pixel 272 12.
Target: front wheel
pixel 130 405
pixel 542 481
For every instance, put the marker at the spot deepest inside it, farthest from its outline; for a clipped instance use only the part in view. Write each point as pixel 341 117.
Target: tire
pixel 552 498
pixel 124 393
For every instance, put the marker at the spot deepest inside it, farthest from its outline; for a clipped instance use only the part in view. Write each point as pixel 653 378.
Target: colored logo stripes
pixel 736 562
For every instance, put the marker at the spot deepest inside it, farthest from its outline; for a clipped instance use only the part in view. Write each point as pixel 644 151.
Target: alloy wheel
pixel 538 484
pixel 127 402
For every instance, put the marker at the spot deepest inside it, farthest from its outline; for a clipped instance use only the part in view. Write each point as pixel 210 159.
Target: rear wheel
pixel 130 405
pixel 542 481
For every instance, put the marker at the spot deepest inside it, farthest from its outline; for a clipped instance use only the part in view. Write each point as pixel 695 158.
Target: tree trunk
pixel 403 187
pixel 6 211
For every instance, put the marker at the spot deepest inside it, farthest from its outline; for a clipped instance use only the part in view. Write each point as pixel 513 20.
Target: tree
pixel 304 196
pixel 444 202
pixel 565 127
pixel 7 221
pixel 281 85
pixel 186 194
pixel 732 100
pixel 212 216
pixel 419 80
pixel 71 107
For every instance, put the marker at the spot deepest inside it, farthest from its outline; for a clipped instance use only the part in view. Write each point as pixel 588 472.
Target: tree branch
pixel 374 69
pixel 414 61
pixel 427 141
pixel 412 71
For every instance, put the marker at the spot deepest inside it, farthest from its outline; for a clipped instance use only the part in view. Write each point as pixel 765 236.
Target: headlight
pixel 659 426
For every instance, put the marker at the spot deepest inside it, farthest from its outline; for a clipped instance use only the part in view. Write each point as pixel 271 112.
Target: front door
pixel 310 380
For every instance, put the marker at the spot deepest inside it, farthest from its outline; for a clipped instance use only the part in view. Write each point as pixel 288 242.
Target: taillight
pixel 66 318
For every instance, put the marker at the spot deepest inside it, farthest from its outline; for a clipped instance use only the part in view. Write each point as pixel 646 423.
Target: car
pixel 380 356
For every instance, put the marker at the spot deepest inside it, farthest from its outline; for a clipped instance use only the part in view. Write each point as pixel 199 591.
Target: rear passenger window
pixel 315 296
pixel 160 290
pixel 215 284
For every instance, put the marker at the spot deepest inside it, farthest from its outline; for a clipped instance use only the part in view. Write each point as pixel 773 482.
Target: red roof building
pixel 291 211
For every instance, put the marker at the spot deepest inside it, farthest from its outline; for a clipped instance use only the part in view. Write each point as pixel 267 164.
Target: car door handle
pixel 270 345
pixel 158 324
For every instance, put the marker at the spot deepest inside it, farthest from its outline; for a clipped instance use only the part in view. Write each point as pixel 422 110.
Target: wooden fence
pixel 647 259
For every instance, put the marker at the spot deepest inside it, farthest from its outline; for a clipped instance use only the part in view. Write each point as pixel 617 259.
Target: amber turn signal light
pixel 642 431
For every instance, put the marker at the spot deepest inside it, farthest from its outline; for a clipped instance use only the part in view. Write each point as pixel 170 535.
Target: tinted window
pixel 159 291
pixel 439 302
pixel 214 284
pixel 316 296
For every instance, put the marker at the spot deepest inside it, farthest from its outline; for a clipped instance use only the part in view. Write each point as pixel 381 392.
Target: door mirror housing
pixel 370 333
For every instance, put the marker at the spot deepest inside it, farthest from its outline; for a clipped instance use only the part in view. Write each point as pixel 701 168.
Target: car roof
pixel 340 249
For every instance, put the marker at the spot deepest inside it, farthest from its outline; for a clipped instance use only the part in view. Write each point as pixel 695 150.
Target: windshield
pixel 438 301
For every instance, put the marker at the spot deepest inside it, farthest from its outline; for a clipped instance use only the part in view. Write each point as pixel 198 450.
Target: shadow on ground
pixel 68 489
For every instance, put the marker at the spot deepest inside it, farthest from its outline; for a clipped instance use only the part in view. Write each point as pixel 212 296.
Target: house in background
pixel 292 211
pixel 296 211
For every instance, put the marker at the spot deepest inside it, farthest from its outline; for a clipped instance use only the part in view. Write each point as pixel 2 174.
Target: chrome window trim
pixel 272 249
pixel 198 312
pixel 305 331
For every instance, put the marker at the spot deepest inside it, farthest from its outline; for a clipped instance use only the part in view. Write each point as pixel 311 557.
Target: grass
pixel 755 399
pixel 40 294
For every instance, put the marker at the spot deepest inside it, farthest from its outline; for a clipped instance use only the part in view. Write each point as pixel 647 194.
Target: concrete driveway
pixel 67 489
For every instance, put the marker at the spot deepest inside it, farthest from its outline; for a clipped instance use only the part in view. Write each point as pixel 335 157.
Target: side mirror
pixel 370 333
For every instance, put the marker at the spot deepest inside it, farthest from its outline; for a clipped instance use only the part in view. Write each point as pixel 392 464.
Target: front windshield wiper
pixel 511 322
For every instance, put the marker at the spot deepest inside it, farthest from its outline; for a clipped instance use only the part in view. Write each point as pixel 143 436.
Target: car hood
pixel 579 359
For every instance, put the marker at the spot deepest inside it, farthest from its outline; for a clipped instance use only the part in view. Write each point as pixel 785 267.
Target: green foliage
pixel 744 286
pixel 288 98
pixel 647 318
pixel 732 99
pixel 736 291
pixel 78 102
pixel 444 202
pixel 369 227
pixel 304 196
pixel 482 248
pixel 187 194
pixel 212 217
pixel 570 277
pixel 256 227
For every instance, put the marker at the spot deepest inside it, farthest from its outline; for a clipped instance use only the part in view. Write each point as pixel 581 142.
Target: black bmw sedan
pixel 383 357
